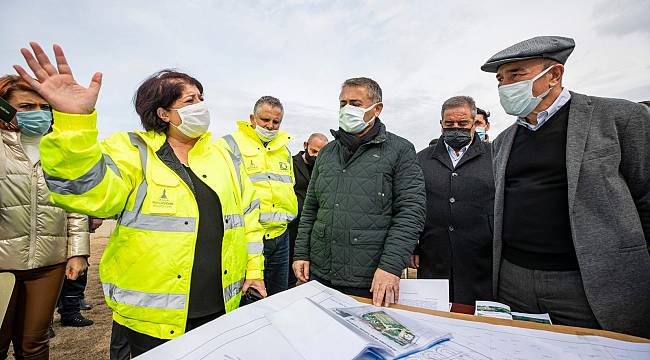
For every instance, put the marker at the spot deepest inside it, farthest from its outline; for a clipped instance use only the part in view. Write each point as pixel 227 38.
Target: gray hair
pixel 459 101
pixel 317 136
pixel 374 91
pixel 268 100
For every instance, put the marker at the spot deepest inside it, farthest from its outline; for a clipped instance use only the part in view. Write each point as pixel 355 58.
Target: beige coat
pixel 33 232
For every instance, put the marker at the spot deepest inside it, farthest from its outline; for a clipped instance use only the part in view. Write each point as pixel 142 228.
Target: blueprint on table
pixel 248 333
pixel 480 341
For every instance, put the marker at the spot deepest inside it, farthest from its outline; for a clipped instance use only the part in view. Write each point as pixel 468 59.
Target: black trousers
pixel 71 293
pixel 140 343
pixel 119 348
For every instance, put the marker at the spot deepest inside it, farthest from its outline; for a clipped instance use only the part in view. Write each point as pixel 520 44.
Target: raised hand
pixel 57 85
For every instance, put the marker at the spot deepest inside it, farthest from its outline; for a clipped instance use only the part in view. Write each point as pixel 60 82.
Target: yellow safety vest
pixel 270 169
pixel 147 266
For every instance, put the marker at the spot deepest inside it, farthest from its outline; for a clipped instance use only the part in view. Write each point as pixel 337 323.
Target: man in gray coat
pixel 572 202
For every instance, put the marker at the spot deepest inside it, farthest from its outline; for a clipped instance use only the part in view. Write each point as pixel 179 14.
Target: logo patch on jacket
pixel 251 167
pixel 283 165
pixel 164 202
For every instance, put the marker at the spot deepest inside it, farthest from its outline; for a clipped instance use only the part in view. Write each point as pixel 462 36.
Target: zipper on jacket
pixel 33 208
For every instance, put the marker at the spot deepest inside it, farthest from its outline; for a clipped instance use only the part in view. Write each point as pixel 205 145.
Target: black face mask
pixel 457 138
pixel 310 160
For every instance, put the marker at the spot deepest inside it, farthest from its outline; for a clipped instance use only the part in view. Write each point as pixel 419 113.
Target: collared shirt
pixel 452 153
pixel 564 97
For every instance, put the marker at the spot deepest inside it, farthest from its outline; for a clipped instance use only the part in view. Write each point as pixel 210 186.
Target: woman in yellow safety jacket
pixel 188 240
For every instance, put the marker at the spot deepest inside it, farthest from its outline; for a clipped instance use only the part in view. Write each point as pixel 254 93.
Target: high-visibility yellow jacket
pixel 147 266
pixel 270 168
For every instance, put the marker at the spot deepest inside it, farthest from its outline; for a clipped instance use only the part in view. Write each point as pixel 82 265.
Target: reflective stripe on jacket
pixel 33 232
pixel 270 169
pixel 147 266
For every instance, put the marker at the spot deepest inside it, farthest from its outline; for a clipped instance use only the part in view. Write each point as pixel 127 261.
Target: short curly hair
pixel 160 90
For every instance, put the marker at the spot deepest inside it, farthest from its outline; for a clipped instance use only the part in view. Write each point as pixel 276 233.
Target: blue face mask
pixel 480 131
pixel 34 123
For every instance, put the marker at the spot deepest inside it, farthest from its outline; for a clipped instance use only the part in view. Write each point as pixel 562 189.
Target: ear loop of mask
pixel 543 95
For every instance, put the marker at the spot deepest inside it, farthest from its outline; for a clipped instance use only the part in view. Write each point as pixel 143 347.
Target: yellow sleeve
pixel 83 175
pixel 252 228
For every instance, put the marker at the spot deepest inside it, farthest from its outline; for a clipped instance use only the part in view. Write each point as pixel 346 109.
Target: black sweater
pixel 536 225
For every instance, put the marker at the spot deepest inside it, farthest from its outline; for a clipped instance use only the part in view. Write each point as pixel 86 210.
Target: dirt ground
pixel 89 342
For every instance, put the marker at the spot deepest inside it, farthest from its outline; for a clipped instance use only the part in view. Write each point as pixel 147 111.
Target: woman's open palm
pixel 57 85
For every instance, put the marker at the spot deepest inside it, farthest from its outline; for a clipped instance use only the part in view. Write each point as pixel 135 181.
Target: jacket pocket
pixel 317 239
pixel 601 152
pixel 367 246
pixel 367 237
pixel 163 194
pixel 320 250
pixel 384 192
pixel 635 248
pixel 318 230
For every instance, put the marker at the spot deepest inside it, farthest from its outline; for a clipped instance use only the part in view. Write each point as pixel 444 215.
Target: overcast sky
pixel 420 53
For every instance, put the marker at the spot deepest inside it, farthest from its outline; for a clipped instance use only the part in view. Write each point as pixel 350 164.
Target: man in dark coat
pixel 365 204
pixel 303 164
pixel 456 243
pixel 572 200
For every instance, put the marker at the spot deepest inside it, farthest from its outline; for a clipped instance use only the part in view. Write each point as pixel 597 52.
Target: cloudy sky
pixel 420 52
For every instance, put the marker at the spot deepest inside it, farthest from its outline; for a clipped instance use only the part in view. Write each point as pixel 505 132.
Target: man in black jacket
pixel 365 203
pixel 457 240
pixel 303 164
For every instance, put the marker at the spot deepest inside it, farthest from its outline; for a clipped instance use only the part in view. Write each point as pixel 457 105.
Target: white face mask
pixel 517 99
pixel 195 119
pixel 264 134
pixel 351 118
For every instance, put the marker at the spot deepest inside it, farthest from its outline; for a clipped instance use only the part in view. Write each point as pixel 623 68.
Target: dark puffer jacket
pixel 363 214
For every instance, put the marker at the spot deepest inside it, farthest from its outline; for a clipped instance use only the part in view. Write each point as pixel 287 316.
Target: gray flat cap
pixel 549 47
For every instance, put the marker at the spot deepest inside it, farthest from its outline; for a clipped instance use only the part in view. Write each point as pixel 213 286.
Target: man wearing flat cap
pixel 572 203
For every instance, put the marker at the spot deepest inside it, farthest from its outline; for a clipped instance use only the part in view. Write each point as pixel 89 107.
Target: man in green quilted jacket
pixel 365 205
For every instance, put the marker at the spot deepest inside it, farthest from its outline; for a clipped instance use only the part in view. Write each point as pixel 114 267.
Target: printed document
pixel 430 294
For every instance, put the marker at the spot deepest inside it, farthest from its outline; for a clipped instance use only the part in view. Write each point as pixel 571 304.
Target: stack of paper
pixel 502 311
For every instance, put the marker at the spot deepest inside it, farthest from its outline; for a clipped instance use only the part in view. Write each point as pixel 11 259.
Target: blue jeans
pixel 276 263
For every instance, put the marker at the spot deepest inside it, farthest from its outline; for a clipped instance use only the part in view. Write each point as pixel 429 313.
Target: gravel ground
pixel 89 342
pixel 92 342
